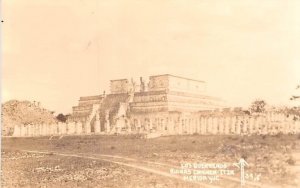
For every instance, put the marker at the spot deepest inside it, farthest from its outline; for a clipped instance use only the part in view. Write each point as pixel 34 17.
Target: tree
pixel 294 97
pixel 258 106
pixel 61 118
pixel 296 109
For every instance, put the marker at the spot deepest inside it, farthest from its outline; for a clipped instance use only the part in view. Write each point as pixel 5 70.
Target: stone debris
pixel 17 113
pixel 21 156
pixel 48 169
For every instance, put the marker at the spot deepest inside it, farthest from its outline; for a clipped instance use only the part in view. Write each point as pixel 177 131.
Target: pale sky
pixel 56 51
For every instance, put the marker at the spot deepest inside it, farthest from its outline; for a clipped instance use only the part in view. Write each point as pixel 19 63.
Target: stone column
pixel 209 125
pixel 68 128
pixel 268 117
pixel 251 125
pixel 214 125
pixel 71 128
pixel 198 124
pixel 22 130
pixel 288 127
pixel 180 125
pixel 203 125
pixel 221 125
pixel 78 128
pixel 32 130
pixel 200 131
pixel 297 124
pixel 245 124
pixel 227 125
pixel 188 126
pixel 97 126
pixel 35 132
pixel 28 133
pixel 107 126
pixel 87 127
pixel 171 126
pixel 54 129
pixel 264 125
pixel 238 125
pixel 233 125
pixel 161 124
pixel 256 124
pixel 61 128
pixel 267 122
pixel 43 129
pixel 292 127
pixel 194 124
pixel 39 129
pixel 64 129
pixel 17 131
pixel 150 124
pixel 272 116
pixel 29 130
pixel 49 129
pixel 277 117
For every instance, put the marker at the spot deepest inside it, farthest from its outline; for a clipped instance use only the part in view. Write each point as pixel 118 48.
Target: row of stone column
pixel 234 125
pixel 268 124
pixel 71 128
pixel 276 117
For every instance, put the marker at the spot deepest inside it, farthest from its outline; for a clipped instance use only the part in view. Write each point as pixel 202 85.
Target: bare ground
pixel 272 156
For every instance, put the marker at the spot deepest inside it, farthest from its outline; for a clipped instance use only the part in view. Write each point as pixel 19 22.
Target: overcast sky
pixel 56 51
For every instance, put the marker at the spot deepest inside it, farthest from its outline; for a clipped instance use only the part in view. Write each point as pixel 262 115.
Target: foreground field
pixel 21 169
pixel 273 157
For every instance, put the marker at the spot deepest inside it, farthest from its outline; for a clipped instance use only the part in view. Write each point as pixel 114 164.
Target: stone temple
pixel 164 105
pixel 138 107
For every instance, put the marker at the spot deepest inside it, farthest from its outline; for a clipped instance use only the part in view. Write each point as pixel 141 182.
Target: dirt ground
pixel 21 169
pixel 270 156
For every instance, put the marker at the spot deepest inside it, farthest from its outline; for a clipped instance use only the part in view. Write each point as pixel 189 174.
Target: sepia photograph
pixel 150 93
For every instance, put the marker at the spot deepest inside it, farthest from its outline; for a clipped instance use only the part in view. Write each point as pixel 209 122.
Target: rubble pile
pixel 16 112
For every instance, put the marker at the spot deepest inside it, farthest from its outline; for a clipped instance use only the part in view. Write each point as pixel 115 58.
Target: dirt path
pixel 157 168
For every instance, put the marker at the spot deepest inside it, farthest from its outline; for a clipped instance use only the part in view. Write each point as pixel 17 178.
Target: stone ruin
pixel 166 105
pixel 202 123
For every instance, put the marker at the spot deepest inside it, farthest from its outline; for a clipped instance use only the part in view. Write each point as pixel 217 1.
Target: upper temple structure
pixel 132 106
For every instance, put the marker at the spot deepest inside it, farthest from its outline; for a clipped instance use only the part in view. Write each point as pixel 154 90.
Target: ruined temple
pixel 164 105
pixel 138 107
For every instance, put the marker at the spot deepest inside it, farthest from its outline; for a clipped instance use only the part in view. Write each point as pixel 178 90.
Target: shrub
pixel 291 161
